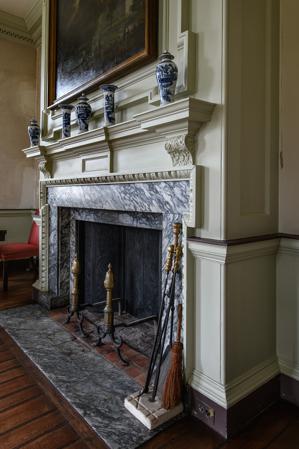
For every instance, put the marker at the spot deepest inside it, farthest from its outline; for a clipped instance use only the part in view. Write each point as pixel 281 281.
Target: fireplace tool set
pixel 150 409
pixel 152 406
pixel 166 314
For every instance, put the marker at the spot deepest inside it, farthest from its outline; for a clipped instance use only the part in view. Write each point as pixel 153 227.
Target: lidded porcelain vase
pixel 33 132
pixel 109 104
pixel 167 75
pixel 66 119
pixel 83 113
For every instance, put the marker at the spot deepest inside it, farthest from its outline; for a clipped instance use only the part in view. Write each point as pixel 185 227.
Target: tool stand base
pixel 151 414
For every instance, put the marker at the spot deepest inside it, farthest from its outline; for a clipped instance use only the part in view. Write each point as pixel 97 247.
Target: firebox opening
pixel 135 255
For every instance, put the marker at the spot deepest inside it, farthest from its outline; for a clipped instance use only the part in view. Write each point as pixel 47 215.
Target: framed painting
pixel 96 41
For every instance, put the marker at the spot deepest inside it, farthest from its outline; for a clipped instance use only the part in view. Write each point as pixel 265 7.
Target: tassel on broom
pixel 172 394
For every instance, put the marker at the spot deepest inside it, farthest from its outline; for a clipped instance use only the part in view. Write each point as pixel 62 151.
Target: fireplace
pixel 135 255
pixel 129 212
pixel 126 220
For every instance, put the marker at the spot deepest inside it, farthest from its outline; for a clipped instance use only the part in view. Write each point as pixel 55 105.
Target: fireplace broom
pixel 172 394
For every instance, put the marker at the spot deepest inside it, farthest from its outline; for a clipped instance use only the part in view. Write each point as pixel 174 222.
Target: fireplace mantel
pixel 174 126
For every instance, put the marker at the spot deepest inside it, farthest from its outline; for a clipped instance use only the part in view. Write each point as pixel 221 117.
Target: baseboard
pixel 229 421
pixel 289 389
pixel 233 392
pixel 289 381
pixel 289 368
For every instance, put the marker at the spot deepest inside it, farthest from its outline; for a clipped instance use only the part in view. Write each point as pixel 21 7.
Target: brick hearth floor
pixel 138 362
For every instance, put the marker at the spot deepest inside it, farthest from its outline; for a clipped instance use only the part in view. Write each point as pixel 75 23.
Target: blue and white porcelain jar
pixel 167 75
pixel 66 119
pixel 33 132
pixel 109 104
pixel 83 113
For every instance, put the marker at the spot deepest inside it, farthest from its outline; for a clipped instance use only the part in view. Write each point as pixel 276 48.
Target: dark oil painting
pixel 95 38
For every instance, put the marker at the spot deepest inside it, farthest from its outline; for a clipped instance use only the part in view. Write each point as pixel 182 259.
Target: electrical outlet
pixel 204 411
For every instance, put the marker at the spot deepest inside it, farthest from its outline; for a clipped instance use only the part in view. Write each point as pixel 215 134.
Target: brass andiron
pixel 73 308
pixel 108 310
pixel 109 328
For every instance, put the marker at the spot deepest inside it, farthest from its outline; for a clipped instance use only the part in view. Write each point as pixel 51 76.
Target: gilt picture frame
pixel 92 42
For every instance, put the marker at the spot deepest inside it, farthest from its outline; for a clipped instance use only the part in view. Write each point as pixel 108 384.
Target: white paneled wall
pixel 235 319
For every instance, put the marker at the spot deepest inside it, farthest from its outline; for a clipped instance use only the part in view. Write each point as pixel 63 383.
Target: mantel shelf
pixel 175 124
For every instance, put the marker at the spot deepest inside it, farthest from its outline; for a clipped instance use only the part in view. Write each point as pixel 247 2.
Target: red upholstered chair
pixel 19 251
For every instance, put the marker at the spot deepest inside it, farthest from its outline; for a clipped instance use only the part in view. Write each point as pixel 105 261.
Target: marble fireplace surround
pixel 153 201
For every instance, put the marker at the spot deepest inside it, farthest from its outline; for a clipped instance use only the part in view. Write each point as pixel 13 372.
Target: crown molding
pixel 33 20
pixel 33 16
pixel 13 27
pixel 22 30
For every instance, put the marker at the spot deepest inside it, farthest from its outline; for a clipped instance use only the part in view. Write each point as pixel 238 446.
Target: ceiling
pixel 17 7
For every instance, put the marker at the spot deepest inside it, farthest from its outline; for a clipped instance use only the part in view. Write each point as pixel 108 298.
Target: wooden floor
pixel 34 416
pixel 19 290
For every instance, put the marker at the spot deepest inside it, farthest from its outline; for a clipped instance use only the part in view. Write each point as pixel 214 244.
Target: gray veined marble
pixel 155 205
pixel 160 197
pixel 93 386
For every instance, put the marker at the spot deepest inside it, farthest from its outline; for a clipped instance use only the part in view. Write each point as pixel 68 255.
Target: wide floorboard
pixel 19 291
pixel 31 417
